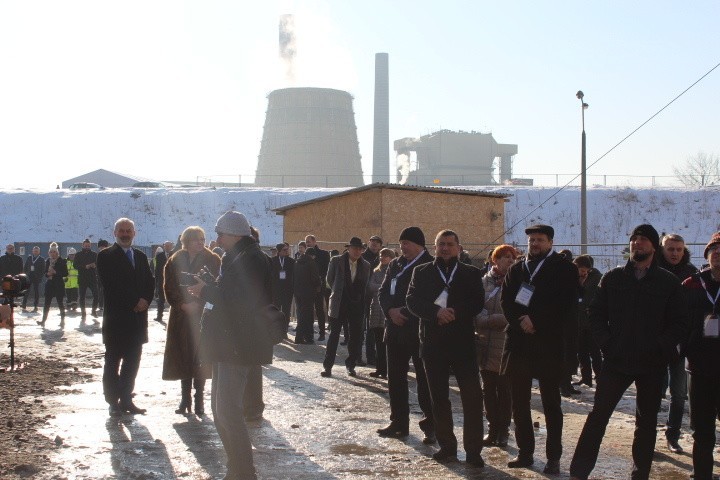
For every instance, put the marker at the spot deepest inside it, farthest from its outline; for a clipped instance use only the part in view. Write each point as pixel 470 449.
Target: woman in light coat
pixel 376 320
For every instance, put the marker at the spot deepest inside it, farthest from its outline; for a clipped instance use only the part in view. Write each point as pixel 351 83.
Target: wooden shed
pixel 386 209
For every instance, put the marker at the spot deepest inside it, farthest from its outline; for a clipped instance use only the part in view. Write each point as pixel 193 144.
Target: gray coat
pixel 490 325
pixel 377 316
pixel 336 280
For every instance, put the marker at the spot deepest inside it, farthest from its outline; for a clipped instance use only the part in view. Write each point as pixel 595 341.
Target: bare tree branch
pixel 699 170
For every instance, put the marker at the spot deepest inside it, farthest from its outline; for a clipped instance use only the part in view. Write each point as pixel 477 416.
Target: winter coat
pixel 35 269
pixel 306 278
pixel 490 325
pixel 336 280
pixel 181 359
pixel 465 295
pixel 587 293
pixel 552 309
pixel 123 286
pixel 376 319
pixel 703 353
pixel 240 292
pixel 161 260
pixel 71 280
pixel 682 270
pixel 639 323
pixel 55 284
pixel 409 333
pixel 282 288
pixel 10 264
pixel 83 258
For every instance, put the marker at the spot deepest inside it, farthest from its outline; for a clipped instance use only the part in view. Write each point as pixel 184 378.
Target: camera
pixel 187 279
pixel 15 285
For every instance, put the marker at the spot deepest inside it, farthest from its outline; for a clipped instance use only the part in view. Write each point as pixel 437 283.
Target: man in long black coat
pixel 129 286
pixel 86 265
pixel 35 271
pixel 322 258
pixel 539 298
pixel 282 268
pixel 446 295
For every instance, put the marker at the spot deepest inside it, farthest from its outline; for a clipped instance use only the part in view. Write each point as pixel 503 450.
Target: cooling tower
pixel 309 140
pixel 381 131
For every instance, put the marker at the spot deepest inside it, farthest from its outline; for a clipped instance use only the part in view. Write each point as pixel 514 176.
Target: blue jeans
pixel 678 395
pixel 228 387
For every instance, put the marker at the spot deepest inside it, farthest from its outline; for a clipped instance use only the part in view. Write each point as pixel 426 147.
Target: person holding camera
pixel 181 360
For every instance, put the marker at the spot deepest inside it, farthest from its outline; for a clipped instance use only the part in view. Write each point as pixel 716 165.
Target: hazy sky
pixel 173 90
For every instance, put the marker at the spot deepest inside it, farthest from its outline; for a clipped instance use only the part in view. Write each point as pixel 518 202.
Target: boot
pixel 199 397
pixel 185 400
pixel 46 310
pixel 62 316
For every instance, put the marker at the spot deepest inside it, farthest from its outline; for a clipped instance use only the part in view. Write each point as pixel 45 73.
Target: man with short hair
pixel 639 316
pixel 10 264
pixel 282 269
pixel 402 339
pixel 35 271
pixel 446 294
pixel 322 258
pixel 372 255
pixel 348 276
pixel 675 258
pixel 160 260
pixel 86 265
pixel 129 285
pixel 539 298
pixel 241 290
pixel 301 247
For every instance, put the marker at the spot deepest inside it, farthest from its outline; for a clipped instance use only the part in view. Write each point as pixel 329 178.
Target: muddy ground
pixel 55 424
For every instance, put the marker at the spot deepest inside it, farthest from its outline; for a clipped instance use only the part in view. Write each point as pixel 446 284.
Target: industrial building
pixel 309 140
pixel 456 158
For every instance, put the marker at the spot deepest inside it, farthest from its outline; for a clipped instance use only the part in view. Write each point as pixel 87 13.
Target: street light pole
pixel 583 179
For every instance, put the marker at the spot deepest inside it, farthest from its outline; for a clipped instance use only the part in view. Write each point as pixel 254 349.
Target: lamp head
pixel 580 94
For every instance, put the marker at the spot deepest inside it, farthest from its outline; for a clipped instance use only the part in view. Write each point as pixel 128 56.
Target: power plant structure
pixel 455 158
pixel 309 140
pixel 381 123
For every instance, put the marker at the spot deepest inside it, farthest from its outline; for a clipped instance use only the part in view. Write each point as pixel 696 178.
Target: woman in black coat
pixel 55 270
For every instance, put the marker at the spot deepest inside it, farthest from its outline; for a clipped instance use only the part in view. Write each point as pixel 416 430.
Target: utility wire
pixel 603 155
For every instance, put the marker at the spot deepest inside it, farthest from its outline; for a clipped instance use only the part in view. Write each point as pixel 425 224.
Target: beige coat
pixel 490 325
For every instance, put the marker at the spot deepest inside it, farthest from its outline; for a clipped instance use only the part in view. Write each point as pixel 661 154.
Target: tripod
pixel 10 323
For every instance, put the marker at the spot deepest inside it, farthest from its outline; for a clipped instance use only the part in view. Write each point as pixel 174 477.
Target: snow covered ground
pixel 69 216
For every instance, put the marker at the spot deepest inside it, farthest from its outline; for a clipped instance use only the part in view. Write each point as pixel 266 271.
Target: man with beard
pixel 446 295
pixel 402 337
pixel 129 286
pixel 539 296
pixel 675 259
pixel 638 317
pixel 86 263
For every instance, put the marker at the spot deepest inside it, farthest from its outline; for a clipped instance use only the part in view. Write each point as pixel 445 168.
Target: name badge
pixel 208 306
pixel 525 294
pixel 283 274
pixel 393 284
pixel 710 329
pixel 441 300
pixel 32 268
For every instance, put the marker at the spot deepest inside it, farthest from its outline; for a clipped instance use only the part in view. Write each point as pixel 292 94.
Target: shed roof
pixel 392 186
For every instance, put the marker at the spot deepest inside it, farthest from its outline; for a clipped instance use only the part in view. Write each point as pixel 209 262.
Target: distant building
pixel 105 178
pixel 455 158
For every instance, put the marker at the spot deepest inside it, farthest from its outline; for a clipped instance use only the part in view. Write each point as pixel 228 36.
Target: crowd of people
pixel 495 328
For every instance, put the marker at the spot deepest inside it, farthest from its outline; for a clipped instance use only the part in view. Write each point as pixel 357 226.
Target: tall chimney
pixel 381 132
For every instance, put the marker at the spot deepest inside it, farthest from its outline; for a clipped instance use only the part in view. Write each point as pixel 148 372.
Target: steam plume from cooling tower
pixel 287 45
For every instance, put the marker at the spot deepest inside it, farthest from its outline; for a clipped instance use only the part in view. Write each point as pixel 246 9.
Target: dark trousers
pixel 370 350
pixel 160 293
pixel 253 404
pixel 93 289
pixel 284 305
pixel 611 386
pixel 399 354
pixel 304 312
pixel 72 295
pixel 319 304
pixel 437 369
pixel 498 404
pixel 521 377
pixel 353 319
pixel 677 380
pixel 120 371
pixel 704 409
pixel 59 295
pixel 588 355
pixel 378 337
pixel 35 287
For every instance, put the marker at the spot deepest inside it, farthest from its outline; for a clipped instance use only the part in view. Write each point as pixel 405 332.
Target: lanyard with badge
pixel 711 326
pixel 441 300
pixel 527 289
pixel 393 281
pixel 283 273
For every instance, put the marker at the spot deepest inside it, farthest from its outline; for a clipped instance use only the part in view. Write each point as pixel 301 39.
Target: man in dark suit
pixel 348 275
pixel 282 268
pixel 128 285
pixel 86 263
pixel 160 260
pixel 322 258
pixel 446 295
pixel 35 271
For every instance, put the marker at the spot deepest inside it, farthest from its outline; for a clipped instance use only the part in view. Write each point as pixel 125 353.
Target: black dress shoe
pixel 475 460
pixel 502 440
pixel 321 337
pixel 132 408
pixel 445 456
pixel 674 446
pixel 326 373
pixel 429 438
pixel 114 410
pixel 521 461
pixel 351 372
pixel 361 363
pixel 377 375
pixel 490 440
pixel 393 431
pixel 552 467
